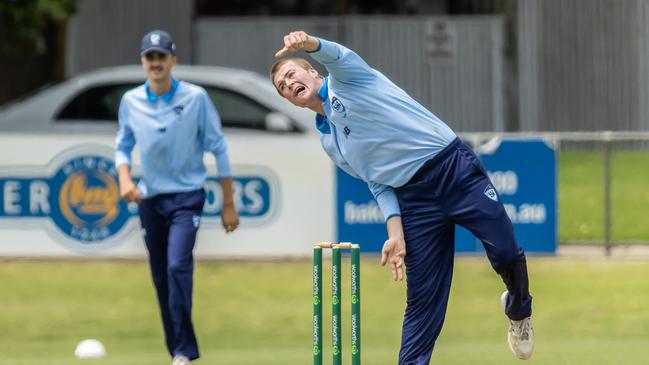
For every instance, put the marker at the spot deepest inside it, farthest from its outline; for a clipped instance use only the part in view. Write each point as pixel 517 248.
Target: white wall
pixel 297 170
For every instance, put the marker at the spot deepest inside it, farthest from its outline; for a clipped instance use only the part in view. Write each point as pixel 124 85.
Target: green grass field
pixel 581 196
pixel 586 312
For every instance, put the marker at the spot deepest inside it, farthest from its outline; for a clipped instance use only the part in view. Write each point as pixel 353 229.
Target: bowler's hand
pixel 229 218
pixel 128 191
pixel 296 41
pixel 394 250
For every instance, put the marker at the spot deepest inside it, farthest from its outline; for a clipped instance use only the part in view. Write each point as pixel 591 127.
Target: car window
pixel 101 103
pixel 237 110
pixel 97 103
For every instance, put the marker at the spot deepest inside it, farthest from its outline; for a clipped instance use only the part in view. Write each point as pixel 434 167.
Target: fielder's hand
pixel 296 41
pixel 128 191
pixel 229 218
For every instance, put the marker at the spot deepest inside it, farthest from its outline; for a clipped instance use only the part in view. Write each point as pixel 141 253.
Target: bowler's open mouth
pixel 299 89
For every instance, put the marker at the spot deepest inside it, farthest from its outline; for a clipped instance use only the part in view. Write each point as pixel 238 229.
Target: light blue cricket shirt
pixel 372 129
pixel 172 131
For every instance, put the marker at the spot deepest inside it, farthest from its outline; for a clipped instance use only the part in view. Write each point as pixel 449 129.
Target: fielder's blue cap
pixel 157 41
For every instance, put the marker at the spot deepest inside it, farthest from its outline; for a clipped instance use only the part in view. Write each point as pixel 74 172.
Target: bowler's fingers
pixel 298 39
pixel 293 41
pixel 282 52
pixel 385 252
pixel 398 265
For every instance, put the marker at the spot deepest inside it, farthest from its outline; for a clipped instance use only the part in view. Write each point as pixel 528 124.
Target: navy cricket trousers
pixel 452 188
pixel 170 223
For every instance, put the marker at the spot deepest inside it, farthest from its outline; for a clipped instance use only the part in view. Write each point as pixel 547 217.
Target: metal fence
pixel 583 65
pixel 452 65
pixel 107 33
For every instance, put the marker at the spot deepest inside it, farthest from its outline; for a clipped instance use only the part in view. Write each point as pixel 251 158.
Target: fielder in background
pixel 424 178
pixel 173 123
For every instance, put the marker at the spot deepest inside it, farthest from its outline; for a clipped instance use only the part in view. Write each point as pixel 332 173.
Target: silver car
pixel 89 102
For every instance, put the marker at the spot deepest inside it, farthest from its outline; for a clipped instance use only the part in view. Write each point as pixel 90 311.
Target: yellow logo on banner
pixel 77 199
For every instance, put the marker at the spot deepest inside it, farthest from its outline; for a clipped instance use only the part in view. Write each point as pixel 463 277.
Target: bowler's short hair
pixel 297 60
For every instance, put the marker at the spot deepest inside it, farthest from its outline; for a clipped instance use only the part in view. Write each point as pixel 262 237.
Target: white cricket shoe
pixel 180 360
pixel 520 334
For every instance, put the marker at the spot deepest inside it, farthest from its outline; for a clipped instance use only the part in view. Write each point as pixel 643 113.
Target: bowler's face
pixel 158 65
pixel 298 85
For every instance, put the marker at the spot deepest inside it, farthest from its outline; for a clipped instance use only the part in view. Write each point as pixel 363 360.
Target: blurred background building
pixel 481 65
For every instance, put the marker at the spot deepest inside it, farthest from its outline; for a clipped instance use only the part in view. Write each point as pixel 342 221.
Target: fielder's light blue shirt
pixel 372 129
pixel 172 131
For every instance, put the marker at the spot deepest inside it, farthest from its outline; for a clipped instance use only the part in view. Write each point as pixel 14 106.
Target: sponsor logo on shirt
pixel 337 105
pixel 490 193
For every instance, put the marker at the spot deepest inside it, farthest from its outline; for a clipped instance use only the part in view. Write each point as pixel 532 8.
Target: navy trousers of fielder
pixel 452 188
pixel 170 223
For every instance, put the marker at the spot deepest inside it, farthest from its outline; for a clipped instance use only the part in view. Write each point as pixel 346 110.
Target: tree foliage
pixel 24 23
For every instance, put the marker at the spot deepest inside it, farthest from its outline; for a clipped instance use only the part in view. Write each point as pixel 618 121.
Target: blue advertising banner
pixel 522 171
pixel 359 218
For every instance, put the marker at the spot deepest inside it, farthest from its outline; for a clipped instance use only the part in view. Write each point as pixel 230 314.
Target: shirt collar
pixel 320 120
pixel 324 90
pixel 322 124
pixel 166 97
